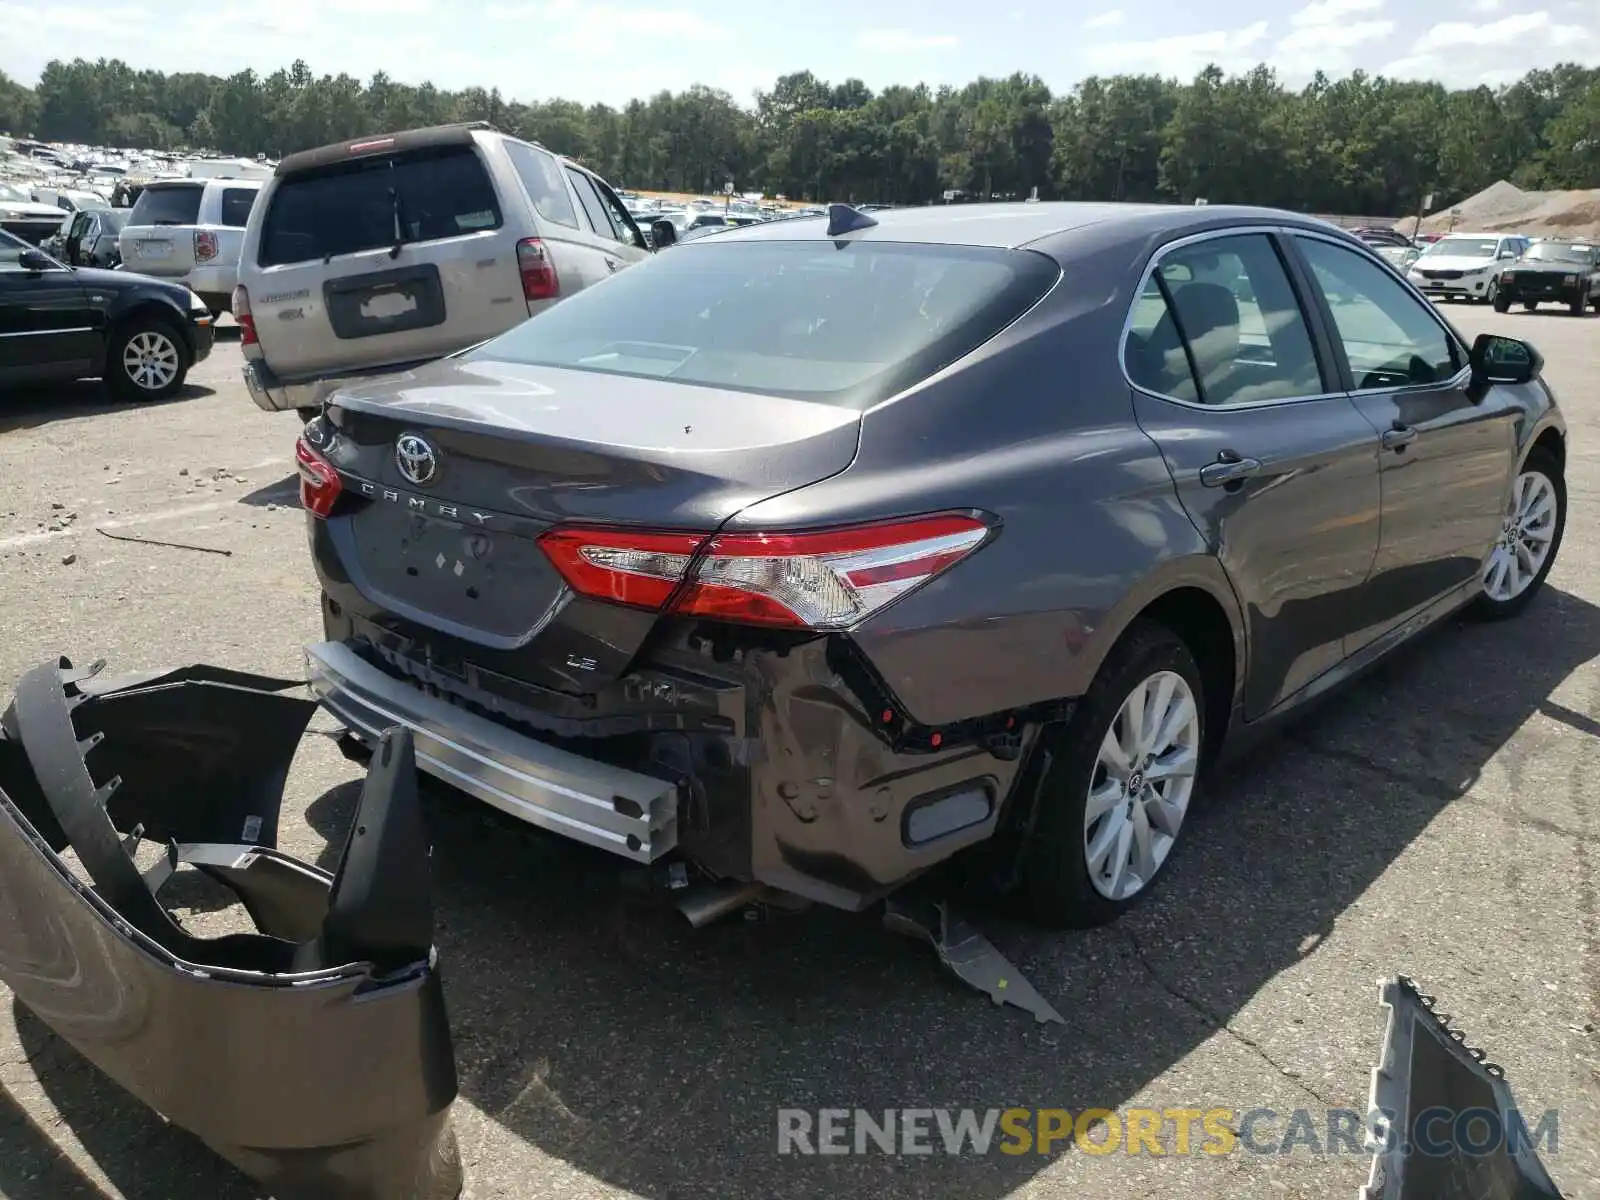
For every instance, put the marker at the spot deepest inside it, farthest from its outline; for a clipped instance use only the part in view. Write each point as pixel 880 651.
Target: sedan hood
pixel 30 208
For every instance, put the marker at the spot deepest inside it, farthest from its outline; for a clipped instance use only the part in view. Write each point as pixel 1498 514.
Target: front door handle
pixel 1229 468
pixel 1399 437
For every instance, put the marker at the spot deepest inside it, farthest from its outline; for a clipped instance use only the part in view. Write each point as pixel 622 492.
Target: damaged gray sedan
pixel 819 551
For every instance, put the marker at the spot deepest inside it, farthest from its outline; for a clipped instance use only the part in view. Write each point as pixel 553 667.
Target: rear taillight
pixel 319 482
pixel 241 314
pixel 205 246
pixel 538 270
pixel 826 579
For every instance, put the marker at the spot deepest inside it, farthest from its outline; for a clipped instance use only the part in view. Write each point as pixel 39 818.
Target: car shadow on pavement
pixel 285 491
pixel 593 1024
pixel 29 408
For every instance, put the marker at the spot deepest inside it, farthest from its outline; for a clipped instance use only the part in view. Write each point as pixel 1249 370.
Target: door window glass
pixel 236 205
pixel 11 252
pixel 1219 323
pixel 617 215
pixel 542 177
pixel 592 205
pixel 1390 336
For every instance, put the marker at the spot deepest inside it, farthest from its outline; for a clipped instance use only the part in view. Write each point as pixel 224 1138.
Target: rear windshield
pixel 173 204
pixel 847 324
pixel 421 196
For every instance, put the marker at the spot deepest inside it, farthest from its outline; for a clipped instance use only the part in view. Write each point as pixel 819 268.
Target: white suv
pixel 1466 266
pixel 368 258
pixel 190 230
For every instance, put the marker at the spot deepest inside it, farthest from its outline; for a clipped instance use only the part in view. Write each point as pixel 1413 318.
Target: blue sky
pixel 613 50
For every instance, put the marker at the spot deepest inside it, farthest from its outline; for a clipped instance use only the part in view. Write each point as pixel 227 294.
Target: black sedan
pixel 1565 272
pixel 58 322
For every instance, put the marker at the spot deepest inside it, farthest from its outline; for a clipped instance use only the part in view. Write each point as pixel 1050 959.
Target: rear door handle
pixel 613 264
pixel 1399 437
pixel 1229 470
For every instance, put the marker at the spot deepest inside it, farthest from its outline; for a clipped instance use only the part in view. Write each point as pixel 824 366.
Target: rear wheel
pixel 1502 303
pixel 1577 304
pixel 1529 538
pixel 147 360
pixel 1120 782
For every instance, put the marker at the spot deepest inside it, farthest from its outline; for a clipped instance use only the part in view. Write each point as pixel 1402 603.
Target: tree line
pixel 1359 144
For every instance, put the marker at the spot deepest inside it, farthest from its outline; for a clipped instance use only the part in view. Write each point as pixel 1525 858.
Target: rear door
pixel 1447 458
pixel 159 236
pixel 1274 465
pixel 382 259
pixel 615 253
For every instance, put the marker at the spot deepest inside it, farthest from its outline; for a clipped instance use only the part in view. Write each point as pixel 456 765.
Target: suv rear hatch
pixel 159 236
pixel 386 251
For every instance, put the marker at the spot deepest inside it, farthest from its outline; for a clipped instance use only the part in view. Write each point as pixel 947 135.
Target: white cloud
pixel 903 41
pixel 1319 40
pixel 1183 55
pixel 1329 12
pixel 1105 20
pixel 1485 6
pixel 1463 54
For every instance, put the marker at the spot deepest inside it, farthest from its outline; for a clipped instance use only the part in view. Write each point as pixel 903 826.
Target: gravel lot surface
pixel 1439 820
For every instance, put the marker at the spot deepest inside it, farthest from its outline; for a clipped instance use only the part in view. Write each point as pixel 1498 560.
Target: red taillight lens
pixel 538 270
pixel 828 579
pixel 241 314
pixel 205 246
pixel 319 482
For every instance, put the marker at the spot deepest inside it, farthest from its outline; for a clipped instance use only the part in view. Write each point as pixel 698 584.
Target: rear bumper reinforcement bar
pixel 612 808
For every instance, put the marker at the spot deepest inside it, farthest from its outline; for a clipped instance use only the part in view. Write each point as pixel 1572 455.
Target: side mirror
pixel 663 233
pixel 35 260
pixel 1508 254
pixel 1499 359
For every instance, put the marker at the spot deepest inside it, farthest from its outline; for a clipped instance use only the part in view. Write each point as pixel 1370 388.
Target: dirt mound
pixel 1505 208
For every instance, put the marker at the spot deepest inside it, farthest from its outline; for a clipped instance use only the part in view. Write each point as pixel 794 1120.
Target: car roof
pixel 1017 224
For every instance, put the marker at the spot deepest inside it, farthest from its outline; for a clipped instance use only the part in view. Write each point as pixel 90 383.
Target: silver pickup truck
pixel 191 230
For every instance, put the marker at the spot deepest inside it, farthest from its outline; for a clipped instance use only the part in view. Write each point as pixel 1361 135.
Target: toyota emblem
pixel 417 459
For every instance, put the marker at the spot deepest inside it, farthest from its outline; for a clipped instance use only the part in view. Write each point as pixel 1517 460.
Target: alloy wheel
pixel 151 360
pixel 1526 537
pixel 1139 791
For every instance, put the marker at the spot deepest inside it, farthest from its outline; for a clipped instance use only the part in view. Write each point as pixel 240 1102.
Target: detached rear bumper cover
pixel 315 1055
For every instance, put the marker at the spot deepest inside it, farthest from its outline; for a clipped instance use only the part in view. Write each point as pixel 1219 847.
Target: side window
pixel 1219 323
pixel 236 205
pixel 592 204
pixel 1391 337
pixel 541 176
pixel 618 215
pixel 11 252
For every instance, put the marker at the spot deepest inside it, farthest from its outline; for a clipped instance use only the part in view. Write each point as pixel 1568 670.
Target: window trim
pixel 1347 377
pixel 1309 307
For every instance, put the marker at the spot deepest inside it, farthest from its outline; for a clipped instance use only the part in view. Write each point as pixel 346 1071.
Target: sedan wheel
pixel 1525 549
pixel 147 362
pixel 1119 781
pixel 1144 775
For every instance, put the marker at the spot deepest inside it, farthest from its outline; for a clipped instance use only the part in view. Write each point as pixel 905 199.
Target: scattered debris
pixel 183 470
pixel 972 957
pixel 68 560
pixel 128 537
pixel 56 506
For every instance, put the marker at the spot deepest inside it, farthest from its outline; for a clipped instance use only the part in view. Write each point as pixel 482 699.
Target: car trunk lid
pixel 159 236
pixel 515 450
pixel 385 258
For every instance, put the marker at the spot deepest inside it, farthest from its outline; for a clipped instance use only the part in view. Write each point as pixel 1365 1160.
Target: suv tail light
pixel 205 246
pixel 538 270
pixel 241 314
pixel 319 482
pixel 827 579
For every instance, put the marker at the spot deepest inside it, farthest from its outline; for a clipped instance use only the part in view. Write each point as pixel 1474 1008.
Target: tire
pixel 1492 294
pixel 1059 886
pixel 1577 305
pixel 1502 302
pixel 147 359
pixel 1531 305
pixel 1489 605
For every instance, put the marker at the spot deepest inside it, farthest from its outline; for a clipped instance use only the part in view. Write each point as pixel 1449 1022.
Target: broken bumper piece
pixel 313 1054
pixel 1444 1123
